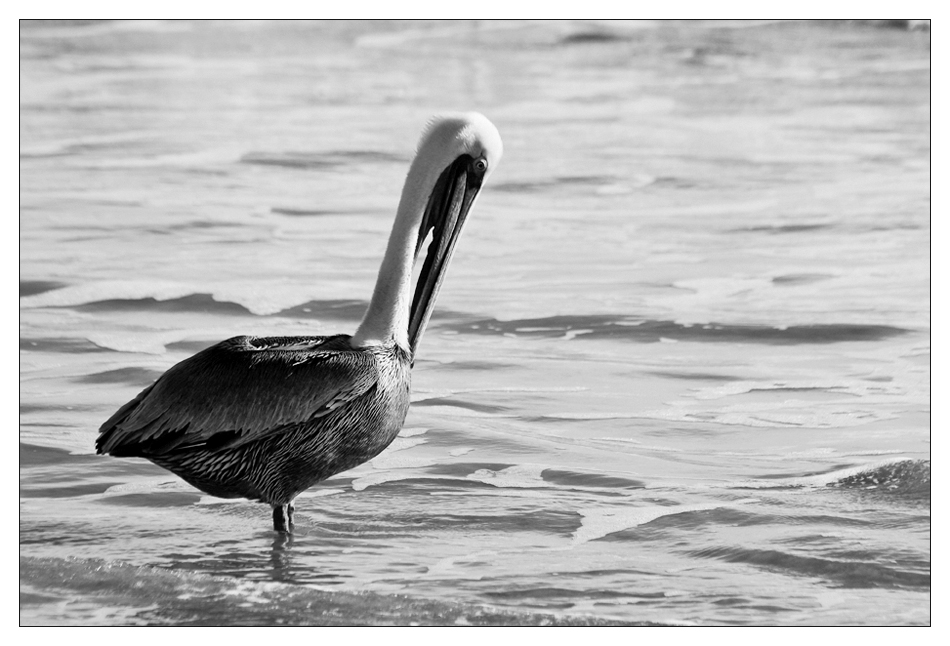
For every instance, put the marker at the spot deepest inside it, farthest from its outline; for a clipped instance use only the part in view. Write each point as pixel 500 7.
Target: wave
pixel 201 303
pixel 906 478
pixel 903 477
pixel 592 38
pixel 303 213
pixel 176 298
pixel 847 573
pixel 553 183
pixel 77 28
pixel 32 455
pixel 474 364
pixel 135 297
pixel 600 184
pixel 524 480
pixel 63 345
pixel 459 403
pixel 33 287
pixel 568 478
pixel 611 326
pixel 695 376
pixel 321 160
pixel 170 296
pixel 55 591
pixel 144 296
pixel 800 279
pixel 602 521
pixel 338 310
pixel 133 376
pixel 782 228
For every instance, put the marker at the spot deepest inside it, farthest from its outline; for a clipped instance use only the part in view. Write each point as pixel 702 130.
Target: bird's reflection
pixel 281 557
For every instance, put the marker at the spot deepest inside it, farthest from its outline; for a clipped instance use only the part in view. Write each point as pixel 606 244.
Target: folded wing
pixel 238 391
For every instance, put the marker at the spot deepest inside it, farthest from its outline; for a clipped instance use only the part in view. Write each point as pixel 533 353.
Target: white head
pixel 448 137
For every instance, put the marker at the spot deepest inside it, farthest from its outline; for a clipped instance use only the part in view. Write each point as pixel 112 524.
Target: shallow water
pixel 679 372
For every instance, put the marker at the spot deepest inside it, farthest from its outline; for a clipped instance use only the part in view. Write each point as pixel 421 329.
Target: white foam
pixel 401 443
pixel 252 591
pixel 392 458
pixel 447 566
pixel 518 476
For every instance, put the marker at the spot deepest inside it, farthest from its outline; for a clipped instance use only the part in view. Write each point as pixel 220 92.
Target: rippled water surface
pixel 679 372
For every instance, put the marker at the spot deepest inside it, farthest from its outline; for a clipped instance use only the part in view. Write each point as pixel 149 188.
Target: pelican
pixel 265 418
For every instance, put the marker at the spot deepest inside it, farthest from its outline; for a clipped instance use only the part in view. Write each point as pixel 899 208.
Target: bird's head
pixel 456 154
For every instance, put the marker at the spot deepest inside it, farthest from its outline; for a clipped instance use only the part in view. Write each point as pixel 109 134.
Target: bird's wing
pixel 237 391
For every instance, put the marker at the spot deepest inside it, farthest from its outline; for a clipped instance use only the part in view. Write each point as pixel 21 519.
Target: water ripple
pixel 608 326
pixel 850 574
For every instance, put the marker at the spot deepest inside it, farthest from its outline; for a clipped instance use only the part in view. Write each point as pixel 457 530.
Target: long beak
pixel 448 206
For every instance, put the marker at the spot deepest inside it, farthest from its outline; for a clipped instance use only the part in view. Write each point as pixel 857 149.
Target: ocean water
pixel 679 371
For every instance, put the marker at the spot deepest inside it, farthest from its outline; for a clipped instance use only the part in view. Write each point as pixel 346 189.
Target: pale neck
pixel 387 317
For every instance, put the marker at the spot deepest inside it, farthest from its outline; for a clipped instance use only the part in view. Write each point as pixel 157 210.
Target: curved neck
pixel 387 317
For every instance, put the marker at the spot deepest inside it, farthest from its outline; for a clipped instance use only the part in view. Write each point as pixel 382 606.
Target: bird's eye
pixel 481 165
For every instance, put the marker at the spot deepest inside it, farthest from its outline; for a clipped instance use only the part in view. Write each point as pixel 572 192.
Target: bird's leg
pixel 283 518
pixel 290 513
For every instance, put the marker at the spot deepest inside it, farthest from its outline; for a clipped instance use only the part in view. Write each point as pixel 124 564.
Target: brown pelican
pixel 266 418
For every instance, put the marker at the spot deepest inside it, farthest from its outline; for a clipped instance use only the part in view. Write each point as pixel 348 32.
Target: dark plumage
pixel 290 412
pixel 265 418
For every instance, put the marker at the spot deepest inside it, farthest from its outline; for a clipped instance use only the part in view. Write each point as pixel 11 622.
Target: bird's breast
pixel 369 424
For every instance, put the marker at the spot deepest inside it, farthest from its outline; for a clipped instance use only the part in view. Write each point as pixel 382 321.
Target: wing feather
pixel 239 390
